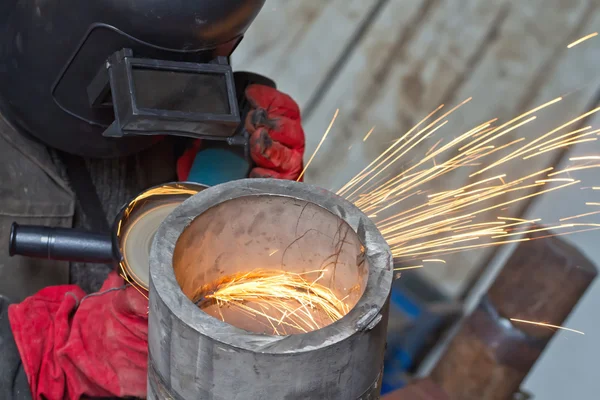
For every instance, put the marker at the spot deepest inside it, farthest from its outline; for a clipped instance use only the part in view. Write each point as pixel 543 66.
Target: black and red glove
pixel 277 137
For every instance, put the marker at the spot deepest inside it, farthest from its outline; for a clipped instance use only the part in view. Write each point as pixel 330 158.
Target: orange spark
pixel 546 325
pixel 453 220
pixel 579 216
pixel 405 268
pixel 284 299
pixel 319 145
pixel 584 158
pixel 368 134
pixel 583 39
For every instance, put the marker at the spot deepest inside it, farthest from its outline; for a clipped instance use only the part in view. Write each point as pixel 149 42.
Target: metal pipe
pixel 237 226
pixel 61 244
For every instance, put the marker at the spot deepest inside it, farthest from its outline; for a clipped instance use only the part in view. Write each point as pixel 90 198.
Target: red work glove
pixel 277 141
pixel 277 137
pixel 72 345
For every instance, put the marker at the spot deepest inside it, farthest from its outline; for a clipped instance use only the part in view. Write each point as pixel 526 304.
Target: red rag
pixel 74 345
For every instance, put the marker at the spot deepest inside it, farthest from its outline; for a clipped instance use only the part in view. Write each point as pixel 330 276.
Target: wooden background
pixel 388 63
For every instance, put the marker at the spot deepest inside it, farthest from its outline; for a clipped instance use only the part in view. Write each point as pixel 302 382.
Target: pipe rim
pixel 364 316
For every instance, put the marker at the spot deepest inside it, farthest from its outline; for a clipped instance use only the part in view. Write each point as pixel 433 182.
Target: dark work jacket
pixel 35 189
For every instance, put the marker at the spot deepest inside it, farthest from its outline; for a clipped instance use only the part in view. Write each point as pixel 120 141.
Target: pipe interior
pixel 269 233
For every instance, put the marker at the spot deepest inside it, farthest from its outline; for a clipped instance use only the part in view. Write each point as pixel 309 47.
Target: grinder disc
pixel 137 240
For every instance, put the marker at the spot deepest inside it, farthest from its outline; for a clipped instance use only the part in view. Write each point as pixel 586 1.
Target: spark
pixel 365 172
pixel 368 134
pixel 319 145
pixel 435 260
pixel 551 102
pixel 579 216
pixel 284 299
pixel 583 39
pixel 273 252
pixel 530 146
pixel 533 231
pixel 405 268
pixel 574 169
pixel 416 223
pixel 584 158
pixel 555 180
pixel 433 147
pixel 592 204
pixel 546 325
pixel 518 219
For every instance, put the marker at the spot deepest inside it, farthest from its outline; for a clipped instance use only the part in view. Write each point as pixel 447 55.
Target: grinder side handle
pixel 61 244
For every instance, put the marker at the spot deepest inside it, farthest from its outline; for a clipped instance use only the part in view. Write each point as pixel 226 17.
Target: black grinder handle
pixel 61 244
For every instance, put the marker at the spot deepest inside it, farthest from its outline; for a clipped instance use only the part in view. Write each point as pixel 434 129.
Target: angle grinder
pixel 128 245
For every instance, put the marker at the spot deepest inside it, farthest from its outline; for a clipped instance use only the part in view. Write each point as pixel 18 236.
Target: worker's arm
pixel 71 344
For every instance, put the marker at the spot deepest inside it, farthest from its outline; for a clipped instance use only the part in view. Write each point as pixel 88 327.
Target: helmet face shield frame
pixel 159 97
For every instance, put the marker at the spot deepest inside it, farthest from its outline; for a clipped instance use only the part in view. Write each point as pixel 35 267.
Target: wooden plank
pixel 392 27
pixel 297 43
pixel 398 74
pixel 428 72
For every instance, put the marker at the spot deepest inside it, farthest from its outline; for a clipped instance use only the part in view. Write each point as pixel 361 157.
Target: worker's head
pixel 96 78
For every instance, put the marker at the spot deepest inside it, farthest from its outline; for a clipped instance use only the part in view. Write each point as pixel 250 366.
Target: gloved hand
pixel 73 345
pixel 277 137
pixel 277 141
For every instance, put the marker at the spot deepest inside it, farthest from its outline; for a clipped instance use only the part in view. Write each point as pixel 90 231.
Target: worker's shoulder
pixel 31 183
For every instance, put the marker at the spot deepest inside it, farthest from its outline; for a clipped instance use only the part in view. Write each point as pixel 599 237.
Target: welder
pixel 99 101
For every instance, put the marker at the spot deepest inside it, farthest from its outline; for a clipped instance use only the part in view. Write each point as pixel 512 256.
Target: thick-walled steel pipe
pixel 234 227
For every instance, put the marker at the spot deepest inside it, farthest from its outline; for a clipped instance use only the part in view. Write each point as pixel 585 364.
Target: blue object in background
pixel 213 166
pixel 404 313
pixel 418 314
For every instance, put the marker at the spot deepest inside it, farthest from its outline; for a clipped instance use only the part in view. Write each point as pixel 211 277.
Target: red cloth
pixel 73 346
pixel 277 137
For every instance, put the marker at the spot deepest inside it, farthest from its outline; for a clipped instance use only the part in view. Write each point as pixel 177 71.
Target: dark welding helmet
pixel 104 78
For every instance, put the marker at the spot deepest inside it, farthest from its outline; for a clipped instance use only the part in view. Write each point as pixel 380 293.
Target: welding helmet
pixel 104 78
